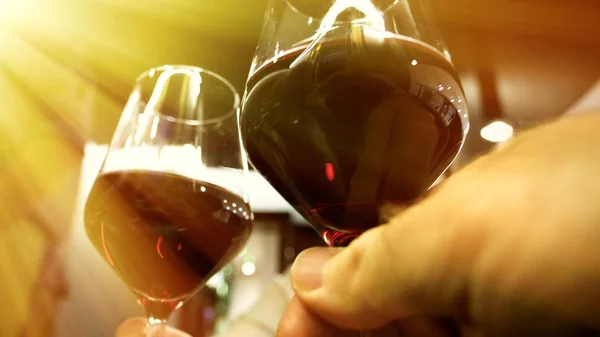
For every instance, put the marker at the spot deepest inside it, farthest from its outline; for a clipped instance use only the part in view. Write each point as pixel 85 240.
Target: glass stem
pixel 156 327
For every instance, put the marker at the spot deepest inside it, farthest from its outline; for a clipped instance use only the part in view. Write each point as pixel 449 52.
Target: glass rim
pixel 193 122
pixel 298 11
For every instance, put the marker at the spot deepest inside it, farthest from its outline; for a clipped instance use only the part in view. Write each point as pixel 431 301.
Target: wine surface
pixel 164 234
pixel 347 131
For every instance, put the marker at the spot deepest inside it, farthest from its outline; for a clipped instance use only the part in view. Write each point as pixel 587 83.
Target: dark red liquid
pixel 164 234
pixel 353 129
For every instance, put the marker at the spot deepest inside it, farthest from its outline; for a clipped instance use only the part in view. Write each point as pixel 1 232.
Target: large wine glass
pixel 168 208
pixel 353 109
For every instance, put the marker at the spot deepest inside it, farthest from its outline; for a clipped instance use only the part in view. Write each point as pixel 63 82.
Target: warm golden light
pixel 6 8
pixel 66 70
pixel 15 12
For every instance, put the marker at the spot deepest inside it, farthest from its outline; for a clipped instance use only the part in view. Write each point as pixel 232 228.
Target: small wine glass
pixel 169 208
pixel 352 111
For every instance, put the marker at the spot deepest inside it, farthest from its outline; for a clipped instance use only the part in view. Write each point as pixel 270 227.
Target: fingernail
pixel 308 269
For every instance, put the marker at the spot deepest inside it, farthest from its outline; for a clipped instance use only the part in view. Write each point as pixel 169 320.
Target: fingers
pixel 133 327
pixel 299 322
pixel 391 272
pixel 424 326
pixel 136 327
pixel 516 226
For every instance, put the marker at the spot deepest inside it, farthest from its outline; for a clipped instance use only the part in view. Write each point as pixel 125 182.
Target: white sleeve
pixel 589 102
pixel 263 317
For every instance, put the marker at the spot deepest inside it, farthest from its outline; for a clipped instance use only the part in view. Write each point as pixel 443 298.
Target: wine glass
pixel 168 208
pixel 352 110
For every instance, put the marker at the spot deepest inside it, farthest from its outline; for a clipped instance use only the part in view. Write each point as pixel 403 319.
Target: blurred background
pixel 67 68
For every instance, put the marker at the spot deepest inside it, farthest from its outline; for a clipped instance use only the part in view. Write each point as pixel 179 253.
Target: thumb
pixel 390 272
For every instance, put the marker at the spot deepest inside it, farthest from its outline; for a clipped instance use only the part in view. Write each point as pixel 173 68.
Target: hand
pixel 135 327
pixel 508 246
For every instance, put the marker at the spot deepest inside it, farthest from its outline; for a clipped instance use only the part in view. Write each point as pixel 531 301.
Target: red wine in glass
pixel 164 234
pixel 169 207
pixel 352 110
pixel 354 130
